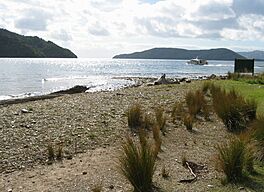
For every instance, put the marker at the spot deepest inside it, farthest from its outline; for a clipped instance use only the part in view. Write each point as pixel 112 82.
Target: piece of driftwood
pixel 192 172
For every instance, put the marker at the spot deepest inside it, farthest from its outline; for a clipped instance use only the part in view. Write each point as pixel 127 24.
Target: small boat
pixel 197 61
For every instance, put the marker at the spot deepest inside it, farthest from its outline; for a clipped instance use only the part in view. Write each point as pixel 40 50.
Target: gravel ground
pixel 91 127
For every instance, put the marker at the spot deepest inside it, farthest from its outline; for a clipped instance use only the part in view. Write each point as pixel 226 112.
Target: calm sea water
pixel 26 77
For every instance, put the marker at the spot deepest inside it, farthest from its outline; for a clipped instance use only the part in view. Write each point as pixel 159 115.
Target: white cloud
pixel 33 19
pixel 132 23
pixel 250 27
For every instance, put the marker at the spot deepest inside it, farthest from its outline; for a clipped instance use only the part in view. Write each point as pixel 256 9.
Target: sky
pixel 104 28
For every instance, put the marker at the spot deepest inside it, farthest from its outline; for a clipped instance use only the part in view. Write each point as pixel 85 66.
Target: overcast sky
pixel 103 28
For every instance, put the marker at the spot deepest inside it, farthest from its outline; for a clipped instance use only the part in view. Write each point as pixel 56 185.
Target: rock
pixel 188 81
pixel 210 186
pixel 111 187
pixel 25 111
pixel 9 190
pixel 84 173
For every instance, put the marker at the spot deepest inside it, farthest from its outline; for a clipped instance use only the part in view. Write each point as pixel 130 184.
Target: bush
pixel 195 102
pixel 137 164
pixel 231 159
pixel 235 112
pixel 135 116
pixel 160 119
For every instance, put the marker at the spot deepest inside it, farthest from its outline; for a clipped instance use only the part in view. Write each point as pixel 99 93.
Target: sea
pixel 24 77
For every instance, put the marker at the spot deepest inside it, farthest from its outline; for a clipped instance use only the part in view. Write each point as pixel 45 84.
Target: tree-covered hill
pixel 15 45
pixel 175 53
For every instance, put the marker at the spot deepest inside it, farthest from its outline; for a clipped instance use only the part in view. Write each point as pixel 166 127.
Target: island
pixel 20 46
pixel 176 53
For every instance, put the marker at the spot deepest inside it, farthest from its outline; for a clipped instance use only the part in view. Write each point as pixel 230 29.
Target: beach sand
pixel 91 128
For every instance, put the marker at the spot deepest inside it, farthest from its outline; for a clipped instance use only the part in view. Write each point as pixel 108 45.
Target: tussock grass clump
pixel 188 122
pixel 258 135
pixel 137 164
pixel 235 112
pixel 256 79
pixel 148 122
pixel 97 188
pixel 231 159
pixel 160 119
pixel 51 152
pixel 206 86
pixel 59 154
pixel 195 102
pixel 165 172
pixel 177 111
pixel 157 139
pixel 135 116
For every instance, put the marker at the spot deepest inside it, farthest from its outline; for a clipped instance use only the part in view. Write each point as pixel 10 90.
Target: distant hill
pixel 175 53
pixel 258 55
pixel 15 45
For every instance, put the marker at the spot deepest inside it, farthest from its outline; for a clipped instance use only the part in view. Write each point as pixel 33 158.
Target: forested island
pixel 15 45
pixel 176 53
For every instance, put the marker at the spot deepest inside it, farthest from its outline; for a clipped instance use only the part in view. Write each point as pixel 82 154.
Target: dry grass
pixel 59 154
pixel 165 172
pixel 51 153
pixel 157 139
pixel 188 122
pixel 235 112
pixel 195 102
pixel 258 135
pixel 160 119
pixel 177 111
pixel 135 116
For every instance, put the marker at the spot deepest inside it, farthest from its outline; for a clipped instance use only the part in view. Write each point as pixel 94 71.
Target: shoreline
pixel 138 81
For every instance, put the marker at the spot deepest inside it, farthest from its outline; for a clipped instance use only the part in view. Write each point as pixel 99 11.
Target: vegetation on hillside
pixel 15 45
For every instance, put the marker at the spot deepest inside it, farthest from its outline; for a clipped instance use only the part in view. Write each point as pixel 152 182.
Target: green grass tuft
pixel 231 159
pixel 137 164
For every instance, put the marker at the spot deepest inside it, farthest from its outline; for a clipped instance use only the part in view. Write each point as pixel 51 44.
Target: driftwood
pixel 192 172
pixel 73 90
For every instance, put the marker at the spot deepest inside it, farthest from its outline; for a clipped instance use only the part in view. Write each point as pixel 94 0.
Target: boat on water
pixel 197 61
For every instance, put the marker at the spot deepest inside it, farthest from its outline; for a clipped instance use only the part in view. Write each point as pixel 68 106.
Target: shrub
pixel 135 116
pixel 195 102
pixel 188 121
pixel 160 119
pixel 231 159
pixel 258 135
pixel 235 112
pixel 137 164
